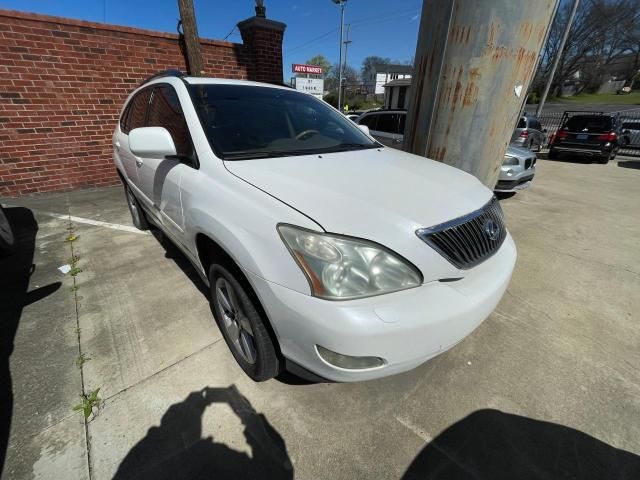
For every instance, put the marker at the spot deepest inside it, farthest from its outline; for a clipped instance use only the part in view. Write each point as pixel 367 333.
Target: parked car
pixel 7 240
pixel 517 171
pixel 325 253
pixel 386 126
pixel 630 136
pixel 529 134
pixel 351 116
pixel 587 133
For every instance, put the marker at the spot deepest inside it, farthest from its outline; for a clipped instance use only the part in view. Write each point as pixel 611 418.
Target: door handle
pixel 139 162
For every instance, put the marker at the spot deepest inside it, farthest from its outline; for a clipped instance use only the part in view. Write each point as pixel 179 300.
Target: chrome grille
pixel 469 240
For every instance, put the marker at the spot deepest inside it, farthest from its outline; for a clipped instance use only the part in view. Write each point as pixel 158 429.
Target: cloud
pixel 415 17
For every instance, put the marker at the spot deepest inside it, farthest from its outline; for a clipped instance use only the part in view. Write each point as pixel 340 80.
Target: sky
pixel 378 27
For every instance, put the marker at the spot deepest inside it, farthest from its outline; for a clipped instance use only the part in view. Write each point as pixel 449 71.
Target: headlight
pixel 508 160
pixel 340 267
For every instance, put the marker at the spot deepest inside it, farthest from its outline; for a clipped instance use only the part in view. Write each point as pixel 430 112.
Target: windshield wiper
pixel 345 147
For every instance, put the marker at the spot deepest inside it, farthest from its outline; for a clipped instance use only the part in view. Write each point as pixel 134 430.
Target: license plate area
pixel 582 136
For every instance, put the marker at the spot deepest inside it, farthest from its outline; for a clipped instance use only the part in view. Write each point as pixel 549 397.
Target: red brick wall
pixel 63 82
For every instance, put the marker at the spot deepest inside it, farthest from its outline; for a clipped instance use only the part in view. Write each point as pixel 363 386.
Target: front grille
pixel 469 240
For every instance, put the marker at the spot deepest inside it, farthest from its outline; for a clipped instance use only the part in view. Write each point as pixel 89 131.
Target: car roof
pixel 228 81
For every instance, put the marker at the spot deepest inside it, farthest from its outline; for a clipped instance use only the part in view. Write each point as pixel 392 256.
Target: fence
pixel 629 139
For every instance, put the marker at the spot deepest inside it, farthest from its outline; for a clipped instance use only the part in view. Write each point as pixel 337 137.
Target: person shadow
pixel 176 450
pixel 492 445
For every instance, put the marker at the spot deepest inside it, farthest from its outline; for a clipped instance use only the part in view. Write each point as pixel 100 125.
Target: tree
pixel 370 61
pixel 599 36
pixel 321 61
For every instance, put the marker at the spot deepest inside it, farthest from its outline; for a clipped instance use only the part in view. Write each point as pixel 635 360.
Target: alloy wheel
pixel 235 322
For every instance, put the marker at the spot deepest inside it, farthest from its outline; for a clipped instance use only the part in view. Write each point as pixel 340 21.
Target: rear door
pixel 133 117
pixel 160 178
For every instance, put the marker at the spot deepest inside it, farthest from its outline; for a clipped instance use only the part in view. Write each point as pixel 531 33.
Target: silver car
pixel 529 134
pixel 517 171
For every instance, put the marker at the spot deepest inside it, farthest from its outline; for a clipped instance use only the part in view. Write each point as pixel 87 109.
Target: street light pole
pixel 341 3
pixel 556 60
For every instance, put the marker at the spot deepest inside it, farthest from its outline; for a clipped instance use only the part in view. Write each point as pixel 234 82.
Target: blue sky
pixel 379 27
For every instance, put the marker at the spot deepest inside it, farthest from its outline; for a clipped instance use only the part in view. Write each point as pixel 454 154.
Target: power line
pixel 311 41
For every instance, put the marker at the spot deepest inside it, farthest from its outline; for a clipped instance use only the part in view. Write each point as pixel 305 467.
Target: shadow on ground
pixel 15 271
pixel 492 445
pixel 175 449
pixel 635 164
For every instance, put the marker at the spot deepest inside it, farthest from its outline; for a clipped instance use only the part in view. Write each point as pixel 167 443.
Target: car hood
pixel 383 195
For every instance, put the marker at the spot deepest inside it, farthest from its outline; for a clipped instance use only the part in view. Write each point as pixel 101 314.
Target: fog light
pixel 347 361
pixel 509 172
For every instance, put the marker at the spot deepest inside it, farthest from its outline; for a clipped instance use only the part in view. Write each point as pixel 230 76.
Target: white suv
pixel 325 252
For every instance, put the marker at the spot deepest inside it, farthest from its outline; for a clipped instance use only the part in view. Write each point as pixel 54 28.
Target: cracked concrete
pixel 563 347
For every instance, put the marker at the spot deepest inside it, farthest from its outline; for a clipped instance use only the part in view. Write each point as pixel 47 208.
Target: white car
pixel 325 252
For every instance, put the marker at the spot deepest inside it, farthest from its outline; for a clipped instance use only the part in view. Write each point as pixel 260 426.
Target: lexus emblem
pixel 491 229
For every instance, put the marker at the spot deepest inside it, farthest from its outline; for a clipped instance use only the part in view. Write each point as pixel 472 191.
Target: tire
pixel 242 325
pixel 603 160
pixel 137 214
pixel 7 239
pixel 552 154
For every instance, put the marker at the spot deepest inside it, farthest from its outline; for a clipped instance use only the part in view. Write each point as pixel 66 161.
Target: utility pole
pixel 556 60
pixel 191 39
pixel 346 50
pixel 474 62
pixel 341 3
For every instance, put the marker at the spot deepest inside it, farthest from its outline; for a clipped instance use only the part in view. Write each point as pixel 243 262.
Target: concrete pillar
pixel 473 65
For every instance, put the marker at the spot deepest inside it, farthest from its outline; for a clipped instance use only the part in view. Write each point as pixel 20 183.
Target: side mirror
pixel 151 142
pixel 364 128
pixel 544 130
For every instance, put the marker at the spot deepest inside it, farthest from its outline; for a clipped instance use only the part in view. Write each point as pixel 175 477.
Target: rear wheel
pixel 137 215
pixel 604 159
pixel 242 325
pixel 7 240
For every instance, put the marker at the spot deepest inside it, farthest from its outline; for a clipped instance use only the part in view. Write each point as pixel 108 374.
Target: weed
pixel 71 237
pixel 75 271
pixel 88 402
pixel 74 288
pixel 82 359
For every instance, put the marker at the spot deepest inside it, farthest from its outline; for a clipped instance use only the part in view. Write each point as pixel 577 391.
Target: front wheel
pixel 242 325
pixel 7 240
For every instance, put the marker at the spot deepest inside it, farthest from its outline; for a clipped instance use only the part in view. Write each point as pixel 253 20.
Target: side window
pixel 370 121
pixel 388 123
pixel 165 111
pixel 403 119
pixel 133 116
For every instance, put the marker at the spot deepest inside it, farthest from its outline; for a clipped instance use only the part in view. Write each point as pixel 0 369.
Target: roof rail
pixel 165 73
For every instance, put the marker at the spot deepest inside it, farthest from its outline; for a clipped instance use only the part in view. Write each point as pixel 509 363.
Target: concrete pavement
pixel 559 359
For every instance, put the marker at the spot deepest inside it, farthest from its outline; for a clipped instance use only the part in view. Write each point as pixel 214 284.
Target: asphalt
pixel 547 387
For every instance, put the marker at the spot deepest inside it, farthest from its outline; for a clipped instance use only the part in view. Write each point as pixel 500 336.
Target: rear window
pixel 522 123
pixel 388 123
pixel 588 124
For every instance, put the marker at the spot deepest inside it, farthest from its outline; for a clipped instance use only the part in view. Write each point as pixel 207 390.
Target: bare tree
pixel 599 36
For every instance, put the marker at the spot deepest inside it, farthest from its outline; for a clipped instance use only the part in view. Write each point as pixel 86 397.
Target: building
pixel 396 94
pixel 379 75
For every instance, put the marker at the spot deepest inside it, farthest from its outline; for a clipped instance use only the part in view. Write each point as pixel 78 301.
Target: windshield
pixel 245 122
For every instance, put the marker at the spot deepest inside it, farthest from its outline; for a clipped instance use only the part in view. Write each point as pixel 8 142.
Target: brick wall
pixel 63 82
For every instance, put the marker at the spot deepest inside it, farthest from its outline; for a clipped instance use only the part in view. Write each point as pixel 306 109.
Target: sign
pixel 312 69
pixel 312 86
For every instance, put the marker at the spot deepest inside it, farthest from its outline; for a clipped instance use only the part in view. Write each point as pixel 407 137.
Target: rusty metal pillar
pixel 473 64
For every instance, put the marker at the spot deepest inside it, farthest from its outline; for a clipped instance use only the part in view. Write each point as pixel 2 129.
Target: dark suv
pixel 587 133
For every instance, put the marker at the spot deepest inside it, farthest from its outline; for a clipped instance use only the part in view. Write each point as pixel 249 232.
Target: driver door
pixel 160 178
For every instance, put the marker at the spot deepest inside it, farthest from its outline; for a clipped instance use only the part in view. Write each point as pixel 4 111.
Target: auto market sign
pixel 312 69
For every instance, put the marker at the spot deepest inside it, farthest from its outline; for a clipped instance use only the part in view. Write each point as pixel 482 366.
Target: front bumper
pixel 518 180
pixel 404 328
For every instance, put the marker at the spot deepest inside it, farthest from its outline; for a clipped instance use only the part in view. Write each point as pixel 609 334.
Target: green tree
pixel 321 61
